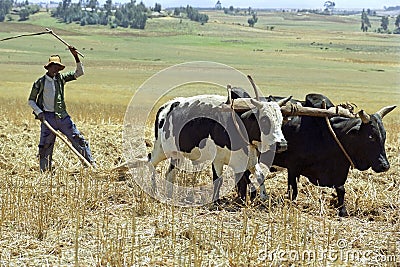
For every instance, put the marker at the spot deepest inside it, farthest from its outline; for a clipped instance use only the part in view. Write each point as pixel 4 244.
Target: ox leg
pixel 242 180
pixel 170 177
pixel 253 189
pixel 155 157
pixel 217 180
pixel 292 185
pixel 340 191
pixel 257 171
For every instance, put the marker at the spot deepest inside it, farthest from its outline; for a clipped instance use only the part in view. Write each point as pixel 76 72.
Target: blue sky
pixel 373 4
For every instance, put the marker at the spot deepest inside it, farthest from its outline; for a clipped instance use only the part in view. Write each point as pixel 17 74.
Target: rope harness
pixel 351 109
pixel 237 125
pixel 348 106
pixel 233 114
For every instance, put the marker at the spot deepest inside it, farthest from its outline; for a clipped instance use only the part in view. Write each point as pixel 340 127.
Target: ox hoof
pixel 343 212
pixel 253 195
pixel 239 202
pixel 264 197
pixel 216 205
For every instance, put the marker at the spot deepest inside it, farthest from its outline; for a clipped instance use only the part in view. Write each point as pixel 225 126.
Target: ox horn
pixel 364 116
pixel 283 102
pixel 229 89
pixel 256 103
pixel 384 111
pixel 256 91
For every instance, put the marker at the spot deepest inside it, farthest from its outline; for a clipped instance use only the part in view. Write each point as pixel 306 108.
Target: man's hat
pixel 54 59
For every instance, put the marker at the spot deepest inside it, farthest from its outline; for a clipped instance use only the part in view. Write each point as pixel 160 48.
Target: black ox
pixel 314 153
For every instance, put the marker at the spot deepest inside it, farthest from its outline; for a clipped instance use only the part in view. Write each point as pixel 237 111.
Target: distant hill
pixel 390 11
pixel 392 8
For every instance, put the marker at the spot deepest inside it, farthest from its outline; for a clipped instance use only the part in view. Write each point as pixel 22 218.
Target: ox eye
pixel 371 137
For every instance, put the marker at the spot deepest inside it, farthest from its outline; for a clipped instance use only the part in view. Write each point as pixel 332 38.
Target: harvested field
pixel 103 218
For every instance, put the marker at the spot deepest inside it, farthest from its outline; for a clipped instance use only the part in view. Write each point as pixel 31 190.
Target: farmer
pixel 47 102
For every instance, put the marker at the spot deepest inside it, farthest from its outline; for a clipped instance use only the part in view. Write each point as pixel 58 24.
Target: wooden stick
pixel 64 42
pixel 336 138
pixel 243 104
pixel 82 158
pixel 288 110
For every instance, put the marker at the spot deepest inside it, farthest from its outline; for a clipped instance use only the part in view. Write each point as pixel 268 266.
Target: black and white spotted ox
pixel 314 153
pixel 204 128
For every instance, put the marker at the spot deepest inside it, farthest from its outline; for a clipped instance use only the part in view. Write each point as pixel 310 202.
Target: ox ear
pixel 256 103
pixel 248 113
pixel 354 128
pixel 346 125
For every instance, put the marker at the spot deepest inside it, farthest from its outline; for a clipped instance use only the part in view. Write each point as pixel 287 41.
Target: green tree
pixel 23 14
pixel 218 5
pixel 253 20
pixel 5 8
pixel 385 23
pixel 397 24
pixel 61 11
pixel 2 15
pixel 329 6
pixel 108 7
pixel 365 24
pixel 131 15
pixel 157 7
pixel 92 4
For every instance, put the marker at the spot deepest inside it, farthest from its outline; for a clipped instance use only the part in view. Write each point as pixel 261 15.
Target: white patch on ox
pixel 205 152
pixel 273 112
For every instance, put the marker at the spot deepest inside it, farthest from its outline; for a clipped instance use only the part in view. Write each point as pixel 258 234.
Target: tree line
pixel 130 15
pixel 384 26
pixel 88 12
pixel 23 9
pixel 191 13
pixel 237 11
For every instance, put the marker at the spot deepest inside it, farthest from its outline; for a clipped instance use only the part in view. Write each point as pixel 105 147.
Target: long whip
pixel 24 35
pixel 48 31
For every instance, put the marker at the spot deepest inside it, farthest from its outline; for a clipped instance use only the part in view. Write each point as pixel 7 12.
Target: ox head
pixel 267 123
pixel 365 139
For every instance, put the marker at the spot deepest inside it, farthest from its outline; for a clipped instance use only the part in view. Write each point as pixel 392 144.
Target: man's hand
pixel 40 116
pixel 74 52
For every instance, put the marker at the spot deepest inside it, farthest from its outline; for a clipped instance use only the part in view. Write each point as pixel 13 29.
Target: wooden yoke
pixel 290 109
